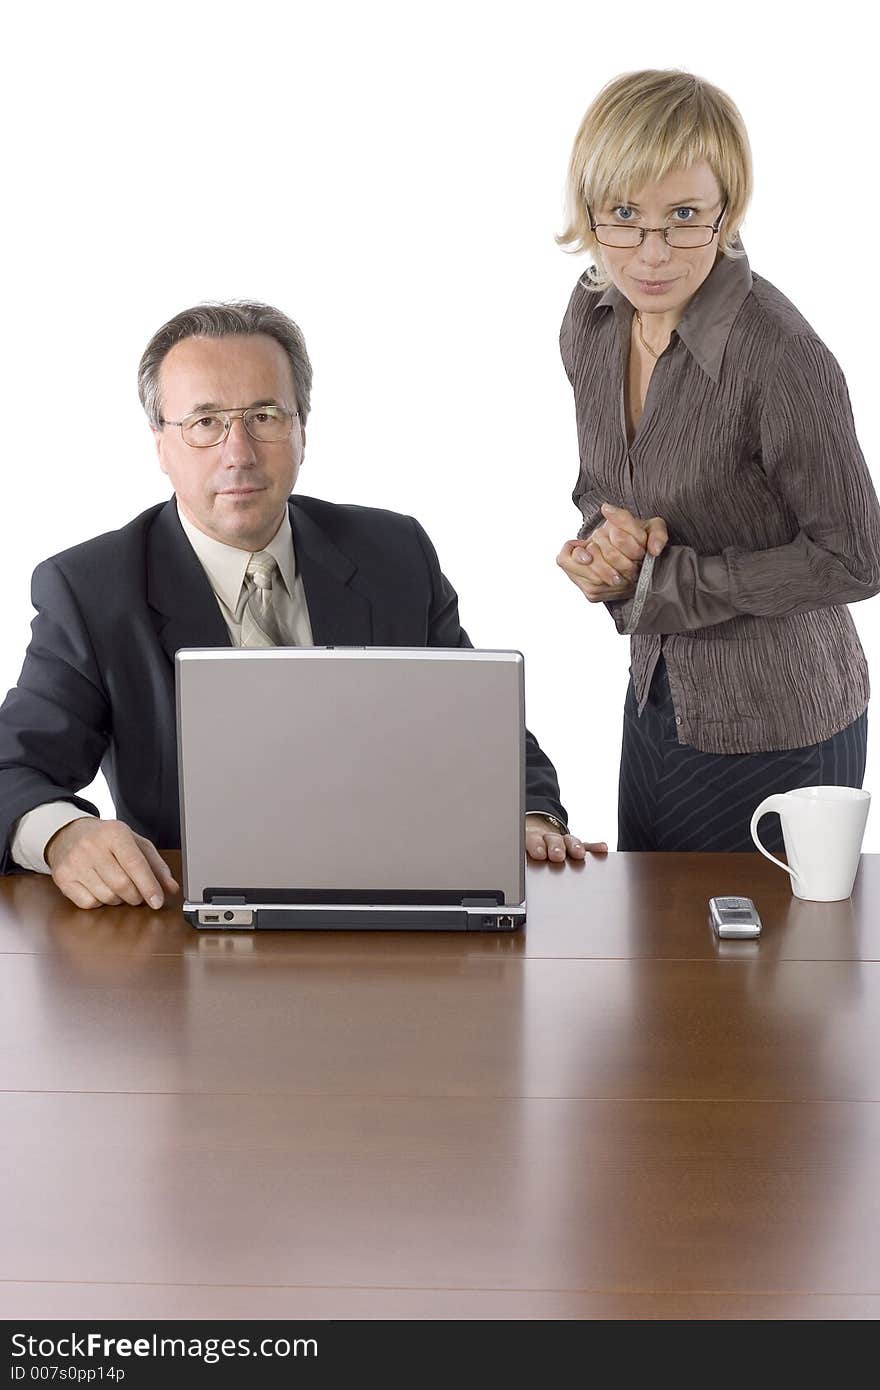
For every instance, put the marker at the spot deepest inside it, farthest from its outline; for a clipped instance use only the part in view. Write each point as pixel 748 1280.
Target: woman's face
pixel 655 277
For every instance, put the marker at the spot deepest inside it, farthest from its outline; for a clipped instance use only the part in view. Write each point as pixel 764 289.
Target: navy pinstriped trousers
pixel 673 797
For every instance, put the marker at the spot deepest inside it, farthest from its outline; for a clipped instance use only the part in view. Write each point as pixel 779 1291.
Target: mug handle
pixel 770 803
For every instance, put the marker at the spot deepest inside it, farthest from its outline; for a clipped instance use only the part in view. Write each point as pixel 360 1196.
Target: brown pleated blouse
pixel 747 449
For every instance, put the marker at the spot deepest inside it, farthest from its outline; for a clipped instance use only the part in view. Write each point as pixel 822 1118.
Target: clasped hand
pixel 605 565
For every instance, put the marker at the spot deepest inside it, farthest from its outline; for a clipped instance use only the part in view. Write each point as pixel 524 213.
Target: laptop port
pixel 235 918
pixel 505 922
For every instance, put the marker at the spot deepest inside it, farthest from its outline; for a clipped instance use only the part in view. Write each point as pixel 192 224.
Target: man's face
pixel 235 491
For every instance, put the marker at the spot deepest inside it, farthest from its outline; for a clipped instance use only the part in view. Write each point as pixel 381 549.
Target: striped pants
pixel 673 797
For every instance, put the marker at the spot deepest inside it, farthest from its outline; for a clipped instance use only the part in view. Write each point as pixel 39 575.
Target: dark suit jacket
pixel 97 685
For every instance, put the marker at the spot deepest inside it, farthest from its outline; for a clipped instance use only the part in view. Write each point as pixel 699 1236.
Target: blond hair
pixel 640 127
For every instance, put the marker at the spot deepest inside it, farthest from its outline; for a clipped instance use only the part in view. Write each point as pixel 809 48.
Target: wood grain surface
pixel 610 1115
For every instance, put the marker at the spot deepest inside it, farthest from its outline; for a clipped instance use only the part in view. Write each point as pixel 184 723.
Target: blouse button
pixel 678 719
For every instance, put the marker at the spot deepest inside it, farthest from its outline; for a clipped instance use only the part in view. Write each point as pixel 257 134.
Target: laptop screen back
pixel 364 772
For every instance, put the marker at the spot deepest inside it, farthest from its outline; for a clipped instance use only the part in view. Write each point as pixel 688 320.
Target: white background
pixel 392 176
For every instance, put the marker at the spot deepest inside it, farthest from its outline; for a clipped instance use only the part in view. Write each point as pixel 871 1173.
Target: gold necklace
pixel 646 346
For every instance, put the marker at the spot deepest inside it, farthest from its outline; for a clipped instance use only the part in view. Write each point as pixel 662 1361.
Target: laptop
pixel 349 788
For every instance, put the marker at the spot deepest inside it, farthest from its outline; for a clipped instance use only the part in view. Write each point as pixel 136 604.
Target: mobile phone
pixel 734 917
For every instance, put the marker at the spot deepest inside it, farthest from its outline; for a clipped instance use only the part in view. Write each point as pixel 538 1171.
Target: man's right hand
pixel 97 862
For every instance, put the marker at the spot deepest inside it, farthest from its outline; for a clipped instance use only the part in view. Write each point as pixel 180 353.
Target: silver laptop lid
pixel 375 774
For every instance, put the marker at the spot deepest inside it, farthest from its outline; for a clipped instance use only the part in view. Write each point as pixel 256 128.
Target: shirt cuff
pixel 591 522
pixel 35 829
pixel 626 615
pixel 554 821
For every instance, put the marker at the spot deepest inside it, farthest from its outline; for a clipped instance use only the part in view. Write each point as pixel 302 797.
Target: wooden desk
pixel 612 1115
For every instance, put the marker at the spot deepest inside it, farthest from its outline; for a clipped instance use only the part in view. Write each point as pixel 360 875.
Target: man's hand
pixel 605 566
pixel 544 841
pixel 96 862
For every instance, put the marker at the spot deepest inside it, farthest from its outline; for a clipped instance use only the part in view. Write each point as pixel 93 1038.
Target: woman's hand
pixel 622 542
pixel 605 566
pixel 585 575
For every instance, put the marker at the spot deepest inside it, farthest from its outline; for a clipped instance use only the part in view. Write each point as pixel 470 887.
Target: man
pixel 231 559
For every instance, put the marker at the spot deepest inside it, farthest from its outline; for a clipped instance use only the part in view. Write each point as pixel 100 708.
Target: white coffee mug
pixel 822 828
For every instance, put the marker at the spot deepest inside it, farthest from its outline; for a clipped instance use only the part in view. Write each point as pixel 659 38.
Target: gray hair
pixel 234 318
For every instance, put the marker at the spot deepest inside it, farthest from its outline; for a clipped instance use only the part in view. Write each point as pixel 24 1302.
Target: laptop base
pixel 277 917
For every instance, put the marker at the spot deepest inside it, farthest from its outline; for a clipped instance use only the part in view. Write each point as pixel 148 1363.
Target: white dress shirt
pixel 225 567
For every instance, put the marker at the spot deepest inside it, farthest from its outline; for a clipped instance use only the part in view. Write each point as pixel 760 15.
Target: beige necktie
pixel 259 621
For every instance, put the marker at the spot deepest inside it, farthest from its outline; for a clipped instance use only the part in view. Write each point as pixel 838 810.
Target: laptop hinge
pixel 226 896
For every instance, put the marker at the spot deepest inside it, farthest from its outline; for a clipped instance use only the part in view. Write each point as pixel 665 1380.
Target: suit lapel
pixel 185 610
pixel 339 614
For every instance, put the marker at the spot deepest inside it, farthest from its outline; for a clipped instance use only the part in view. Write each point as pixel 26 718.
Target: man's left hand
pixel 544 841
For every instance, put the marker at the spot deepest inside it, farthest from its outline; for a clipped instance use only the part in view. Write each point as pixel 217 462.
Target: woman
pixel 707 404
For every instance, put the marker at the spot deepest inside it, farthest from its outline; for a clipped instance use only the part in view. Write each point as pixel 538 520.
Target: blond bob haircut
pixel 640 127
